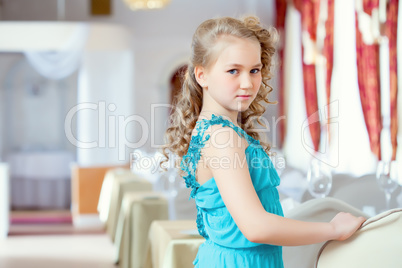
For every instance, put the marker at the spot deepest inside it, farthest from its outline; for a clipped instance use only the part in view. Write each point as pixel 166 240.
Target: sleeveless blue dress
pixel 225 245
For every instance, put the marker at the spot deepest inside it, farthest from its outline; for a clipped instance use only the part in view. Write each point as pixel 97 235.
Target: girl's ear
pixel 200 76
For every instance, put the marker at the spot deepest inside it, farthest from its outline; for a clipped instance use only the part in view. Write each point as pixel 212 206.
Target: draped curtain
pixel 367 53
pixel 60 64
pixel 367 57
pixel 309 11
pixel 391 32
pixel 328 49
pixel 281 6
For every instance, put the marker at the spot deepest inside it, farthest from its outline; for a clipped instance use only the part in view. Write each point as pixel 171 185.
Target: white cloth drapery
pixel 59 64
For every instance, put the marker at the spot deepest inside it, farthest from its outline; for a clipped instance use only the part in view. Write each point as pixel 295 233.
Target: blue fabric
pixel 225 245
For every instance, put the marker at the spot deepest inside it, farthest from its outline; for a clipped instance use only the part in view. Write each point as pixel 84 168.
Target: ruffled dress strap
pixel 189 162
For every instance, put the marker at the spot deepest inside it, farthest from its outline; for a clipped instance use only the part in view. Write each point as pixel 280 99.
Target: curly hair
pixel 187 106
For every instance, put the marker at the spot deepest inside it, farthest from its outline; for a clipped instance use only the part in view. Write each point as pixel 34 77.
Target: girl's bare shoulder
pixel 223 139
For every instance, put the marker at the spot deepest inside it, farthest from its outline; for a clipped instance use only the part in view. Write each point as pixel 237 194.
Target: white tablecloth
pixel 172 244
pixel 138 211
pixel 40 165
pixel 41 179
pixel 115 184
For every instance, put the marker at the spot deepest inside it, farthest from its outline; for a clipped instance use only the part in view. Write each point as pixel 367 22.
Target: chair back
pixel 317 210
pixel 378 243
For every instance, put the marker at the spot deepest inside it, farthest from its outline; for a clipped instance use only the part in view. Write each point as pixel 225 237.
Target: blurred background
pixel 84 83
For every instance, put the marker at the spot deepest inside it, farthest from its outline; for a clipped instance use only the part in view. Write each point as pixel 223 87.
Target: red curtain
pixel 328 50
pixel 309 11
pixel 391 32
pixel 369 78
pixel 281 6
pixel 369 82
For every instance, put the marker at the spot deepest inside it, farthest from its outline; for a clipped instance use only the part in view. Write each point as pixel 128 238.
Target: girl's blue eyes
pixel 234 71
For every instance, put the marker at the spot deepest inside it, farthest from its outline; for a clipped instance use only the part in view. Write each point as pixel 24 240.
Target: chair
pixel 317 210
pixel 377 243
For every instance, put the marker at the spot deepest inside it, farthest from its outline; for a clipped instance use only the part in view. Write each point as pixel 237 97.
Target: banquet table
pixel 138 211
pixel 172 244
pixel 40 179
pixel 117 182
pixel 40 165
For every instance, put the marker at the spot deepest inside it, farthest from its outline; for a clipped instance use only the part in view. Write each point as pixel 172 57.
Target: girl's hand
pixel 345 225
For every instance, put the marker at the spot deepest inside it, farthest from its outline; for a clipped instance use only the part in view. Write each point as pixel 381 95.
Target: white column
pixel 296 154
pixel 104 116
pixel 386 145
pixel 4 200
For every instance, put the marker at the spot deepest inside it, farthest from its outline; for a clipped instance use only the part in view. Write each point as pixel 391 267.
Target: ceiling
pixel 180 18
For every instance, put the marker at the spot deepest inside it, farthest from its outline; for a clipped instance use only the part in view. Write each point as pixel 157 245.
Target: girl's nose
pixel 246 82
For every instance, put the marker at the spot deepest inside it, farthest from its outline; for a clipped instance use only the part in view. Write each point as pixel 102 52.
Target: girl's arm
pixel 225 158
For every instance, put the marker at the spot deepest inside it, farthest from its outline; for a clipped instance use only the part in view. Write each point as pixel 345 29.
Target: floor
pixel 51 244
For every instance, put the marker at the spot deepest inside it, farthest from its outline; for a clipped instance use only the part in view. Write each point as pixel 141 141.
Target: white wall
pixel 161 43
pixel 4 200
pixel 33 108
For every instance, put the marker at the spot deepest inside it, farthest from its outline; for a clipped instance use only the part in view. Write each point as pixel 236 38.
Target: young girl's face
pixel 232 83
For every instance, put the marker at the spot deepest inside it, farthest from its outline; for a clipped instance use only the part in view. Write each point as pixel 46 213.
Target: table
pixel 42 165
pixel 138 211
pixel 172 244
pixel 40 179
pixel 115 184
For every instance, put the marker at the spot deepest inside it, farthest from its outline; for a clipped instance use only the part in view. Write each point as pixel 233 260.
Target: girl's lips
pixel 244 97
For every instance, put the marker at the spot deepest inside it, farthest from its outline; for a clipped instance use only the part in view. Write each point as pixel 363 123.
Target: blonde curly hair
pixel 187 106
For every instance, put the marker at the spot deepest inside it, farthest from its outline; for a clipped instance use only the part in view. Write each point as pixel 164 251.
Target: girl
pixel 231 175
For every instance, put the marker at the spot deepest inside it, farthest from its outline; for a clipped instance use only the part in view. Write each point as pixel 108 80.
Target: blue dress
pixel 225 245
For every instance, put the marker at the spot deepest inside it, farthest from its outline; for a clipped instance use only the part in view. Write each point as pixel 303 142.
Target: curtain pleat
pixel 367 57
pixel 391 32
pixel 281 6
pixel 328 50
pixel 369 77
pixel 310 92
pixel 309 10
